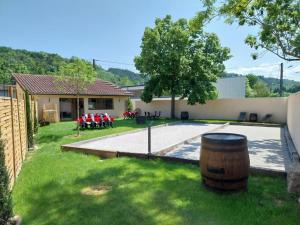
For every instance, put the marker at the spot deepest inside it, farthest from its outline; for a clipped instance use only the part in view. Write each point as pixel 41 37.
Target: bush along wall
pixel 129 105
pixel 35 121
pixel 5 195
pixel 29 121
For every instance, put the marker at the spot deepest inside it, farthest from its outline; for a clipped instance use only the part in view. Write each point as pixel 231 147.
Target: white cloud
pixel 269 70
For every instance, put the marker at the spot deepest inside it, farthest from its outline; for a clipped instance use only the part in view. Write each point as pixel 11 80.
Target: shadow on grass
pixel 62 205
pixel 153 192
pixel 49 138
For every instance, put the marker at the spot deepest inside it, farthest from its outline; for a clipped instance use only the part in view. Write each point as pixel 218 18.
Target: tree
pixel 180 58
pixel 29 121
pixel 278 22
pixel 5 195
pixel 249 90
pixel 78 74
pixel 253 79
pixel 35 120
pixel 261 89
pixel 295 88
pixel 7 67
pixel 129 105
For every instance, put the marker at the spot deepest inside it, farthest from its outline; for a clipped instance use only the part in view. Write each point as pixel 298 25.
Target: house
pixel 99 97
pixel 229 87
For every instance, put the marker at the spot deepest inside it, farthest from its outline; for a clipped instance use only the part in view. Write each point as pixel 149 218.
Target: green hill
pixel 23 61
pixel 135 77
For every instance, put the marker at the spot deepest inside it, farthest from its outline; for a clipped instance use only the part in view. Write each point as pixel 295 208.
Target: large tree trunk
pixel 173 106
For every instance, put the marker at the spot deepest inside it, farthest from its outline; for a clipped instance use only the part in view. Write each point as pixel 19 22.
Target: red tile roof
pixel 46 85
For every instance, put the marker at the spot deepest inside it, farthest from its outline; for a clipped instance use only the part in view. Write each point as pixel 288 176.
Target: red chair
pixel 93 122
pixel 101 122
pixel 97 119
pixel 82 121
pixel 108 120
pixel 89 120
pixel 125 115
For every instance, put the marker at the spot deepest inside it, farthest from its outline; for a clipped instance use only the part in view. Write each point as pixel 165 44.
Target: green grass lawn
pixel 48 190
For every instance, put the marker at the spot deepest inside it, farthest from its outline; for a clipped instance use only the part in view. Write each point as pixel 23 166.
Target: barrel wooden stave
pixel 225 164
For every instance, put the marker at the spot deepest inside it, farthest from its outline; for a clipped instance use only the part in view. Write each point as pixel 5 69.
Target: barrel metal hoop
pixel 227 180
pixel 206 138
pixel 216 170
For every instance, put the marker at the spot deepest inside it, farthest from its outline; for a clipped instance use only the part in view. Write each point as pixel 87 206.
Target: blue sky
pixel 111 30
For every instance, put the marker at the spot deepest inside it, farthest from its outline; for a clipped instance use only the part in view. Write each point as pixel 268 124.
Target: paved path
pixel 162 137
pixel 267 149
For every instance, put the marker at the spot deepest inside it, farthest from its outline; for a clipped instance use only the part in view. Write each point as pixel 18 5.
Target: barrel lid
pixel 226 138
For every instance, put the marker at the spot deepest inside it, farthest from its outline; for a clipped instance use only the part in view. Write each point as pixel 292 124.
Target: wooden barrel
pixel 224 161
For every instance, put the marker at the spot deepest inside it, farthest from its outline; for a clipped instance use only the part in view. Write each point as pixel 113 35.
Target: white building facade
pixel 231 87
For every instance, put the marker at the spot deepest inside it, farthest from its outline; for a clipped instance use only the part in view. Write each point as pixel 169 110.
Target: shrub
pixel 5 195
pixel 129 105
pixel 29 121
pixel 35 121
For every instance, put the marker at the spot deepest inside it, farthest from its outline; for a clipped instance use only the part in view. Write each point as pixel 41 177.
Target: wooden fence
pixel 14 131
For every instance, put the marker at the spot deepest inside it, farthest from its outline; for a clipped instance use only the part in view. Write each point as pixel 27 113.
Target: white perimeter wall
pixel 228 109
pixel 293 119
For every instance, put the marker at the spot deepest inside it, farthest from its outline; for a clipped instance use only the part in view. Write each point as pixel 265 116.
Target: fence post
pixel 12 128
pixel 20 132
pixel 25 119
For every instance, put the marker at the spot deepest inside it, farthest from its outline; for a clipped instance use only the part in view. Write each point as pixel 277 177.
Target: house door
pixel 68 108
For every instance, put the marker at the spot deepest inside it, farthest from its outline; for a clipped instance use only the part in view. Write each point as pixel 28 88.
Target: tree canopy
pixel 278 22
pixel 178 58
pixel 257 87
pixel 78 74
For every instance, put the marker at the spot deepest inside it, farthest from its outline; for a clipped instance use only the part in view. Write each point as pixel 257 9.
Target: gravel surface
pixel 162 137
pixel 266 147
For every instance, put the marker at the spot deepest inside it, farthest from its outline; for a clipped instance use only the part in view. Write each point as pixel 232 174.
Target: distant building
pixel 135 90
pixel 231 87
pixel 4 89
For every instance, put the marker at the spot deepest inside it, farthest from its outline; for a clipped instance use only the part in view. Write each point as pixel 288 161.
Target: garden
pixel 56 187
pixel 178 59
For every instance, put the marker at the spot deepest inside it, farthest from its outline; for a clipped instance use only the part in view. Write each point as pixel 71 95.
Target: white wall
pixel 227 109
pixel 293 119
pixel 232 87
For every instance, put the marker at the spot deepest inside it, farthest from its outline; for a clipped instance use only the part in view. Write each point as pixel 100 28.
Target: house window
pixel 100 103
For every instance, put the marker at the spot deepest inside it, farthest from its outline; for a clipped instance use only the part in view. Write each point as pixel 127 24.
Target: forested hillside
pixel 23 61
pixel 127 73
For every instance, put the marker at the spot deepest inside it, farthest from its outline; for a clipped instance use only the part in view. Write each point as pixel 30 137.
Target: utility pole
pixel 94 63
pixel 281 80
pixel 149 139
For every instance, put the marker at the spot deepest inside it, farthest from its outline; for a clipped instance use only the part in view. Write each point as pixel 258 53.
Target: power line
pixel 113 62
